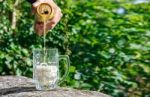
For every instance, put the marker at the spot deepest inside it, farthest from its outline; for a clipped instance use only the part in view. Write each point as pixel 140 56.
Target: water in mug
pixel 46 75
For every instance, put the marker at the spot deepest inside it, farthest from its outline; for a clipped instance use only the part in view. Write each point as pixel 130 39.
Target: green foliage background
pixel 108 42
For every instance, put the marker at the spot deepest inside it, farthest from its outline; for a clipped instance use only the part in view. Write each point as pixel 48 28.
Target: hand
pixel 50 24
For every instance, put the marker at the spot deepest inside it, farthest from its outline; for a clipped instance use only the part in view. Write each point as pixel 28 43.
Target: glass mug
pixel 46 68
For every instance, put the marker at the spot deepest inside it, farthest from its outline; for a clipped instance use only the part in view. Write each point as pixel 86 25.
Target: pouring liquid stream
pixel 45 12
pixel 44 37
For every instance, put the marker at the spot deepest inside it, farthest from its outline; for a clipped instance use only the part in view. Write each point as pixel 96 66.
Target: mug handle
pixel 65 57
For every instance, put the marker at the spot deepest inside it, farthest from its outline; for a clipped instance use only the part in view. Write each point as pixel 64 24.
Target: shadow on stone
pixel 12 90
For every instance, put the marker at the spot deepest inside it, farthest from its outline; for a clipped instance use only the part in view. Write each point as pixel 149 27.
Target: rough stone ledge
pixel 13 86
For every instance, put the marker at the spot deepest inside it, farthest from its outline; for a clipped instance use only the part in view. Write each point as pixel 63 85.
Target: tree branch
pixel 14 15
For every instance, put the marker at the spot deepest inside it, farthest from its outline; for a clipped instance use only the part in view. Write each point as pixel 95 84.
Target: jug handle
pixel 66 57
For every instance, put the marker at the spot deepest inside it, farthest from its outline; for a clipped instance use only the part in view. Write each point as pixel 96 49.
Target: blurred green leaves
pixel 108 42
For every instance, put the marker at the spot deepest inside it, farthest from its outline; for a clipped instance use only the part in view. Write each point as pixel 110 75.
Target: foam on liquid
pixel 47 74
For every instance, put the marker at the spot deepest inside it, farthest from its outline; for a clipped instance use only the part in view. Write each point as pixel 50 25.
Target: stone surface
pixel 12 86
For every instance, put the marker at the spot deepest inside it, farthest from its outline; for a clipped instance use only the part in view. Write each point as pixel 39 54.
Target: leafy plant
pixel 108 42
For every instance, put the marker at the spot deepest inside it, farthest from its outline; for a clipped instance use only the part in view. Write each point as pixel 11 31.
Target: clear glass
pixel 46 68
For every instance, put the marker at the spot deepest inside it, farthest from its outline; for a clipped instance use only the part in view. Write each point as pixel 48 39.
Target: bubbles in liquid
pixel 47 73
pixel 43 64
